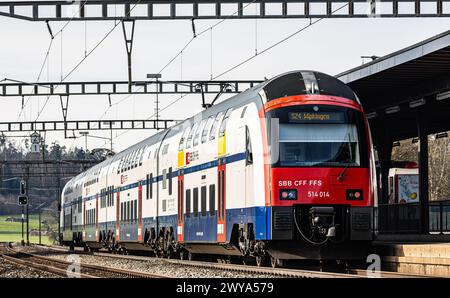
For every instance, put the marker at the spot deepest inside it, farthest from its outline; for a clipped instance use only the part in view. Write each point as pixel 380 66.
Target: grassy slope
pixel 12 231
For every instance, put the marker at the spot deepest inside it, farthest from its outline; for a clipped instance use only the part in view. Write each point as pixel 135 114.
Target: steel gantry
pixel 96 10
pixel 66 89
pixel 15 88
pixel 78 125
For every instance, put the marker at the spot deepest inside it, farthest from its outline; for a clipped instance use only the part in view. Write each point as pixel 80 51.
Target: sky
pixel 330 46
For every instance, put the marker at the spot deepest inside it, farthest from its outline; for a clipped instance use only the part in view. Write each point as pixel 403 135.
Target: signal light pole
pixel 23 200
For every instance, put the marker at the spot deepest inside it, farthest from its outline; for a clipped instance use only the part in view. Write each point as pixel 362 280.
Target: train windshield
pixel 319 136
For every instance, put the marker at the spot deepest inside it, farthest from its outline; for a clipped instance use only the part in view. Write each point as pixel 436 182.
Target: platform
pixel 425 259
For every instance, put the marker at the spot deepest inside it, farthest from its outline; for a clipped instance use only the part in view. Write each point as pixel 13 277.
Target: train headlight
pixel 288 194
pixel 354 194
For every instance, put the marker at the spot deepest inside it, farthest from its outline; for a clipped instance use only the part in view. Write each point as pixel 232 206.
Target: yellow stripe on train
pixel 222 145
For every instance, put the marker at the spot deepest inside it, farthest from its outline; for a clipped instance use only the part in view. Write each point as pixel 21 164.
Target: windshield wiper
pixel 341 175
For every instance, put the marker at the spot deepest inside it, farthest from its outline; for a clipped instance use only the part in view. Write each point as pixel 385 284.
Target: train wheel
pixel 259 261
pixel 182 255
pixel 275 263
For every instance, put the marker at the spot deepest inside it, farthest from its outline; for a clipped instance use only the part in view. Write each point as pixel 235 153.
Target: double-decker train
pixel 283 170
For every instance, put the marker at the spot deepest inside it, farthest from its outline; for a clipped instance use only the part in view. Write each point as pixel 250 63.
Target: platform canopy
pixel 401 88
pixel 405 94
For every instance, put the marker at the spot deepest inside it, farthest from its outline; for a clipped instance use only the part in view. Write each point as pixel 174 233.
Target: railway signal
pixel 23 200
pixel 23 187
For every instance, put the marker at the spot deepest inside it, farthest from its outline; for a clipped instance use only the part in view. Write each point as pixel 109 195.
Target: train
pixel 284 170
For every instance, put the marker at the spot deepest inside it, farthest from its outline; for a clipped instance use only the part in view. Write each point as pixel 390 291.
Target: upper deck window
pixel 212 134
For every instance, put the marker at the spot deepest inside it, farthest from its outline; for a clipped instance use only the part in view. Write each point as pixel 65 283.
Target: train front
pixel 320 177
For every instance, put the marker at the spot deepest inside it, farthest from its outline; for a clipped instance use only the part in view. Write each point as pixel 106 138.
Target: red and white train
pixel 283 170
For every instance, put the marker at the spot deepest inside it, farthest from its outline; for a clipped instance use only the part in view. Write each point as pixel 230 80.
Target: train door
pixel 221 214
pixel 221 178
pixel 239 175
pixel 96 219
pixel 84 220
pixel 118 214
pixel 140 212
pixel 180 230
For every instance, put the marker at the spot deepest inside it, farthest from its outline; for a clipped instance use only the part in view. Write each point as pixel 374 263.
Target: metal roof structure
pixel 397 88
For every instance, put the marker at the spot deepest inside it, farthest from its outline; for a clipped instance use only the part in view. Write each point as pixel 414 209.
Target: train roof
pixel 291 83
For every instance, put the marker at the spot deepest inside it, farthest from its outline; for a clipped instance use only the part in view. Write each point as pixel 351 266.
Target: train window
pixel 120 164
pixel 313 144
pixel 165 149
pixel 164 176
pixel 125 163
pixel 197 132
pixel 131 162
pixel 188 202
pixel 189 139
pixel 183 138
pixel 203 199
pixel 130 158
pixel 134 158
pixel 196 202
pixel 147 187
pixel 128 211
pixel 141 158
pixel 212 134
pixel 223 125
pixel 121 211
pixel 243 112
pixel 112 195
pixel 248 147
pixel 151 186
pixel 131 210
pixel 212 199
pixel 169 176
pixel 138 157
pixel 207 128
pixel 135 210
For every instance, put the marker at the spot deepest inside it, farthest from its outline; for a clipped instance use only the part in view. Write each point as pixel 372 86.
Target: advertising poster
pixel 408 188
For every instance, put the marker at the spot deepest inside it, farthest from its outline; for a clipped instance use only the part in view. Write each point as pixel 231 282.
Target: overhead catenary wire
pixel 116 24
pixel 46 57
pixel 312 23
pixel 248 59
pixel 181 51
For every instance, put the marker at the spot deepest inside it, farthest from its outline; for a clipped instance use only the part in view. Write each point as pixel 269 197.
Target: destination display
pixel 316 117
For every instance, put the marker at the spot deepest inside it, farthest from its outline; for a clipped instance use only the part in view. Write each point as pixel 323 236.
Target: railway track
pixel 60 267
pixel 276 272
